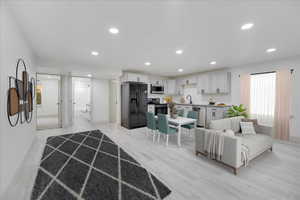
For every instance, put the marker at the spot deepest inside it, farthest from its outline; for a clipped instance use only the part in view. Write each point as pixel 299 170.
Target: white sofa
pixel 232 155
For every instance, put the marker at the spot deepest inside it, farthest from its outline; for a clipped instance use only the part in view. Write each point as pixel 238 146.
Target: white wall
pixel 66 98
pixel 14 142
pixel 113 100
pixel 50 97
pixel 100 100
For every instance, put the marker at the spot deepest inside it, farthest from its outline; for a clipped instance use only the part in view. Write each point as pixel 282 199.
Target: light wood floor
pixel 274 175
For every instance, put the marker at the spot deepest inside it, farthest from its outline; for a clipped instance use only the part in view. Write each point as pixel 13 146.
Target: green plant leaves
pixel 235 111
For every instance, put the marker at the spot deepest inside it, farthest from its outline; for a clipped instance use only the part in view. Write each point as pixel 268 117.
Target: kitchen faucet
pixel 189 97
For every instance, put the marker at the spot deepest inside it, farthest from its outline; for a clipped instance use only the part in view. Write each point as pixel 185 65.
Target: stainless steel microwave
pixel 157 89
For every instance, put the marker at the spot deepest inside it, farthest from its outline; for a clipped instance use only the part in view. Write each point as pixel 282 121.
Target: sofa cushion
pixel 256 144
pixel 247 128
pixel 229 132
pixel 235 123
pixel 220 124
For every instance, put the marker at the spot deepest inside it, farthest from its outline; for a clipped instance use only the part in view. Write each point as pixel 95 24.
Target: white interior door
pixel 48 100
pixel 81 96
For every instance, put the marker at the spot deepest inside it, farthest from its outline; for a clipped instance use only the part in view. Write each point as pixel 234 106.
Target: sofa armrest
pixel 232 151
pixel 267 130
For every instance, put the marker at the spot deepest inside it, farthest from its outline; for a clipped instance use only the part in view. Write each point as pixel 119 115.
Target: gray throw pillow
pixel 255 123
pixel 247 128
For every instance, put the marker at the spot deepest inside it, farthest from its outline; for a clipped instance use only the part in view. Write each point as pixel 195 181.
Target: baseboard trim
pixel 100 122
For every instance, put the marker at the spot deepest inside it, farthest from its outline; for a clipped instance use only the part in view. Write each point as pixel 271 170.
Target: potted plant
pixel 235 111
pixel 171 104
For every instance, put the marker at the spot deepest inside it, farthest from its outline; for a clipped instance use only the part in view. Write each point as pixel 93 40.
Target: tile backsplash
pixel 204 99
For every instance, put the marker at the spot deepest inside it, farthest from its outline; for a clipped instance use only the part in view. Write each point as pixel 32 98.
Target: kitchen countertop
pixel 206 105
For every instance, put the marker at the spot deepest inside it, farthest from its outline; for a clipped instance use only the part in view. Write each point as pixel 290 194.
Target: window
pixel 262 97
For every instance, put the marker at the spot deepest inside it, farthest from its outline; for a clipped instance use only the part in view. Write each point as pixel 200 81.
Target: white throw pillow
pixel 228 132
pixel 247 128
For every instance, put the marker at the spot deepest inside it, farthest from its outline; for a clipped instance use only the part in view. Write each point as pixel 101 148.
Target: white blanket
pixel 214 144
pixel 245 155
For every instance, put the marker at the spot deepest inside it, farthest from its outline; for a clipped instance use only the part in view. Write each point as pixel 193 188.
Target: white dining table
pixel 178 122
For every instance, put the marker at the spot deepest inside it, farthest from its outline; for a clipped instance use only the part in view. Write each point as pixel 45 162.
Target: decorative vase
pixel 173 115
pixel 173 112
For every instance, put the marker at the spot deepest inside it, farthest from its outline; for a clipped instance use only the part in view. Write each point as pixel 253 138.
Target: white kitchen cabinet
pixel 170 88
pixel 189 80
pixel 156 80
pixel 179 86
pixel 203 83
pixel 223 83
pixel 135 77
pixel 214 82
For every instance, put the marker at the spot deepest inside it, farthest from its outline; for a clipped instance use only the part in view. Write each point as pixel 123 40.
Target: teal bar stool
pixel 164 127
pixel 192 115
pixel 151 124
pixel 180 112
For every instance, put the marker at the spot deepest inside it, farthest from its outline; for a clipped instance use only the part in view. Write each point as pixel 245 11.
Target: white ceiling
pixel 63 34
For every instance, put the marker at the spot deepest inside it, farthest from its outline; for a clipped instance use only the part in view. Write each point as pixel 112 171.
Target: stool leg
pixel 167 140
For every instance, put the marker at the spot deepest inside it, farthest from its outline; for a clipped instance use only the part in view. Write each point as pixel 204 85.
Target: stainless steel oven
pixel 161 109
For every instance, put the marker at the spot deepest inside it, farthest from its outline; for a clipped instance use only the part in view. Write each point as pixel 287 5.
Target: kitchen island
pixel 206 112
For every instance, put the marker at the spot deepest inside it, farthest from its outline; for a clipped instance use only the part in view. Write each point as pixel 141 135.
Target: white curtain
pixel 283 104
pixel 262 97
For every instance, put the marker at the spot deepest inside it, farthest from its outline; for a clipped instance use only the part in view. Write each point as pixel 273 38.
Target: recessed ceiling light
pixel 179 51
pixel 89 75
pixel 147 63
pixel 180 70
pixel 247 26
pixel 95 53
pixel 213 62
pixel 114 30
pixel 270 50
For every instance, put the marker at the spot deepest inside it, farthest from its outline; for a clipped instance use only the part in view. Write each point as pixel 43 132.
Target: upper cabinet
pixel 170 87
pixel 189 80
pixel 223 83
pixel 179 84
pixel 157 80
pixel 203 83
pixel 215 82
pixel 218 82
pixel 135 77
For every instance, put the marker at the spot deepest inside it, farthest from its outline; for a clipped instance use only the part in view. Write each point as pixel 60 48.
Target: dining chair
pixel 151 124
pixel 164 128
pixel 180 112
pixel 192 115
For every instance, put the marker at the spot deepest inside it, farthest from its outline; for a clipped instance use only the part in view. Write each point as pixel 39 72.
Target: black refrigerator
pixel 133 104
